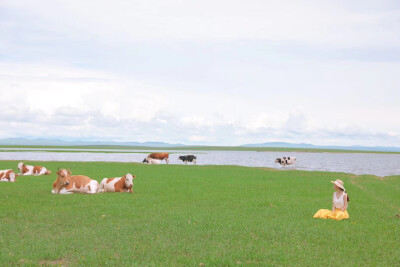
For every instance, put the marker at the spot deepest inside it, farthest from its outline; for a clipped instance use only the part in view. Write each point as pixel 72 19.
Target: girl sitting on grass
pixel 339 205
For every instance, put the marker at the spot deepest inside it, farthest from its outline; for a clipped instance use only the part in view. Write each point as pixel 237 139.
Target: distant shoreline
pixel 107 148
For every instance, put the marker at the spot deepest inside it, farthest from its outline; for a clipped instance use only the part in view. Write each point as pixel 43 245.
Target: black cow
pixel 188 158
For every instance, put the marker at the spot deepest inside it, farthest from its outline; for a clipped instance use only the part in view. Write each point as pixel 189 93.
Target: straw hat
pixel 338 183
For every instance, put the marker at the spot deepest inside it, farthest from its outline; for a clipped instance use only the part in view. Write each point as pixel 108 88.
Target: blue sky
pixel 201 72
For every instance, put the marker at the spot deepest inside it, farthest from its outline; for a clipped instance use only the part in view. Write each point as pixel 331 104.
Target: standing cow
pixel 188 158
pixel 68 184
pixel 32 170
pixel 286 161
pixel 155 158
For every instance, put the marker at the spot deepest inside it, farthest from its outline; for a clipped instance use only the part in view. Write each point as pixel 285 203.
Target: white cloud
pixel 56 102
pixel 217 72
pixel 321 22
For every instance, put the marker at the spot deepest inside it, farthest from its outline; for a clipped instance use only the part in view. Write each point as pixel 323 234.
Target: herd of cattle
pixel 66 183
pixel 156 158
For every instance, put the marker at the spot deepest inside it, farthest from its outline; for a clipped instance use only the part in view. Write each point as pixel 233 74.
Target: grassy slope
pixel 207 148
pixel 188 215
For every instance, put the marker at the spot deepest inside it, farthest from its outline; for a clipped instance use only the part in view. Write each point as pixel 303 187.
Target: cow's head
pixel 20 165
pixel 182 158
pixel 128 178
pixel 278 160
pixel 62 178
pixel 145 160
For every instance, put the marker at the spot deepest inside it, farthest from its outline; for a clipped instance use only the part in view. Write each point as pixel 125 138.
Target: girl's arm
pixel 345 202
pixel 333 206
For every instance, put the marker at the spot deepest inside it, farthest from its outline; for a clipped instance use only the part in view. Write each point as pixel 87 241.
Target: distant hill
pixel 53 142
pixel 302 145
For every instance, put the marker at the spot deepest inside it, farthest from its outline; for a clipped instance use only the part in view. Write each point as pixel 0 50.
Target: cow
pixel 32 170
pixel 69 184
pixel 286 161
pixel 117 184
pixel 188 158
pixel 7 176
pixel 155 158
pixel 151 161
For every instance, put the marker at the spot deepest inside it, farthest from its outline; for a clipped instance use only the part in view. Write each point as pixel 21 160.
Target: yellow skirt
pixel 328 214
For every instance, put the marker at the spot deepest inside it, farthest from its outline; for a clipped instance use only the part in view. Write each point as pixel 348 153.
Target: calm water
pixel 377 164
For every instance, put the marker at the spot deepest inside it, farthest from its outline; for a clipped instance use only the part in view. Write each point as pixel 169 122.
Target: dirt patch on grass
pixel 58 262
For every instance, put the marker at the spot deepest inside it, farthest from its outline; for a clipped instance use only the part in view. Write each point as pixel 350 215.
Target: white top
pixel 338 202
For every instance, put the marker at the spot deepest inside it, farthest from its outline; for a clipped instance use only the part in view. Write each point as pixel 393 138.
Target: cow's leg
pixel 167 160
pixel 194 162
pixel 64 191
pixel 186 162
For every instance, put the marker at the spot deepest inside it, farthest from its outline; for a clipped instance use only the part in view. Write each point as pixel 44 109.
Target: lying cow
pixel 155 158
pixel 188 158
pixel 7 176
pixel 32 170
pixel 286 161
pixel 67 184
pixel 118 184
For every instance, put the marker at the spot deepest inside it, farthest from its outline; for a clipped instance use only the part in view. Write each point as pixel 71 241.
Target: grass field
pixel 199 215
pixel 196 148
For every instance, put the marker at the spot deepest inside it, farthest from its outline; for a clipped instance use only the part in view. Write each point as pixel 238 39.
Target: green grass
pixel 193 215
pixel 203 148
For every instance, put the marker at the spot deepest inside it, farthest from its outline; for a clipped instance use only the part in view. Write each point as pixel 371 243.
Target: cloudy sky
pixel 214 72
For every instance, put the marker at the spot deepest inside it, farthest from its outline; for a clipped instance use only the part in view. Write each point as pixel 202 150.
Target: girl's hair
pixel 348 199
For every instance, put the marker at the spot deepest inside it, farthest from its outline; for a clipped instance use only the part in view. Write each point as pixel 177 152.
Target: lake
pixel 356 163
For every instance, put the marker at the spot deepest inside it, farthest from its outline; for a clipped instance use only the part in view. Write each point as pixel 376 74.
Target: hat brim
pixel 338 185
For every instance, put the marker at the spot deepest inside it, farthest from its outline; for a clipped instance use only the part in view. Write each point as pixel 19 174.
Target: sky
pixel 201 72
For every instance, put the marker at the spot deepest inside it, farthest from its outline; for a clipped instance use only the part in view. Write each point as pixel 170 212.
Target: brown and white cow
pixel 155 158
pixel 68 184
pixel 117 184
pixel 7 176
pixel 32 170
